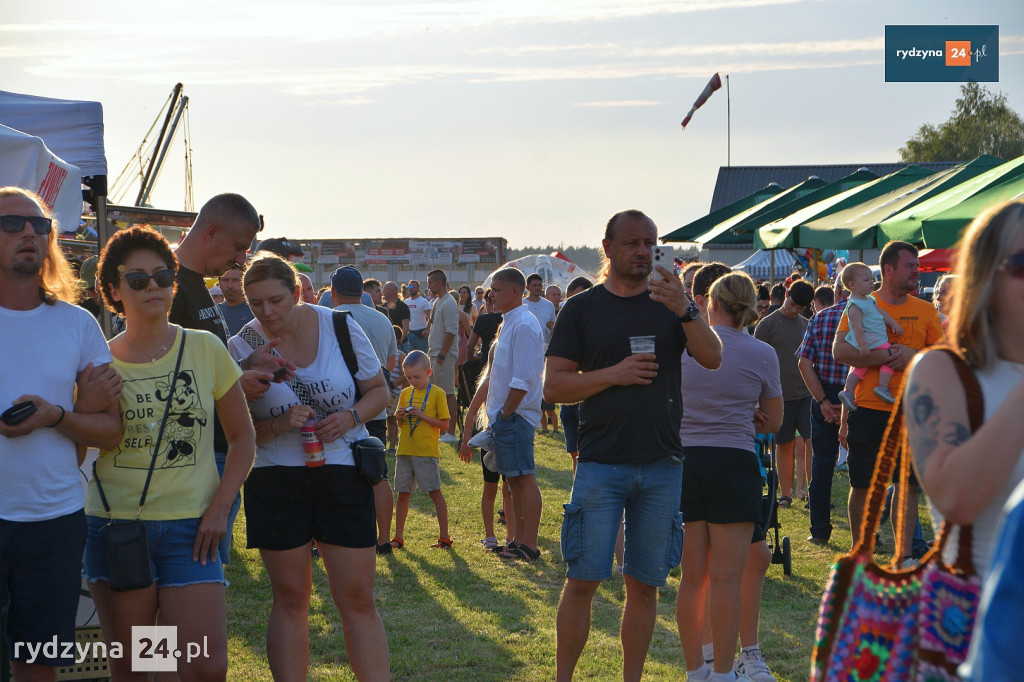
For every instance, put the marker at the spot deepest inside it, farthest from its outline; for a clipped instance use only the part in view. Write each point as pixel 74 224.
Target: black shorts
pixel 866 430
pixel 489 476
pixel 796 416
pixel 286 507
pixel 721 485
pixel 545 405
pixel 41 573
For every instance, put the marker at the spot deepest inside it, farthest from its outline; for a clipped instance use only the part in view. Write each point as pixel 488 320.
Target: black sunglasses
pixel 16 223
pixel 1014 265
pixel 140 280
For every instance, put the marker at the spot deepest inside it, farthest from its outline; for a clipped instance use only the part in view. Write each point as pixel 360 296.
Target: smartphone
pixel 281 374
pixel 665 257
pixel 15 414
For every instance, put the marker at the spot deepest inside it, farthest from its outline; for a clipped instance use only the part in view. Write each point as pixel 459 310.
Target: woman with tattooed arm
pixel 969 476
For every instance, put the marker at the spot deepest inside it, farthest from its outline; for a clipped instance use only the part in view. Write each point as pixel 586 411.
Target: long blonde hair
pixel 984 246
pixel 56 278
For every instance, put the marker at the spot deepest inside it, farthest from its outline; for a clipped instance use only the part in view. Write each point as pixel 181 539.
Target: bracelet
pixel 59 419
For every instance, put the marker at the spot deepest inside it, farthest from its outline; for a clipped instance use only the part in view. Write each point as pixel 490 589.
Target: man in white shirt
pixel 513 406
pixel 442 347
pixel 419 316
pixel 346 294
pixel 541 308
pixel 50 346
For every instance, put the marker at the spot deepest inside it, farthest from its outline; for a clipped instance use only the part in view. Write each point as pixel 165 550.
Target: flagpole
pixel 728 123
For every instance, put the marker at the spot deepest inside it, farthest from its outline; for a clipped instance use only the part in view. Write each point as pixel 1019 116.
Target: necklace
pixel 152 356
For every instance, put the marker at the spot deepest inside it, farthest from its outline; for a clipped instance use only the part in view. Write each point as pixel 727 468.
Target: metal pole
pixel 182 103
pixel 771 268
pixel 163 130
pixel 728 123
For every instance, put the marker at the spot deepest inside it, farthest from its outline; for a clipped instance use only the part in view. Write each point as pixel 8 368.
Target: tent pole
pixel 771 269
pixel 728 123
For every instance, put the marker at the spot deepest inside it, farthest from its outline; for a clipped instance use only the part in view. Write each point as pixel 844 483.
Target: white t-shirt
pixel 326 379
pixel 43 351
pixel 419 311
pixel 518 363
pixel 544 311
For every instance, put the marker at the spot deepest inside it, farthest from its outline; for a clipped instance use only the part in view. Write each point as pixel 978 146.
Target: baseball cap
pixel 347 281
pixel 215 291
pixel 87 273
pixel 281 246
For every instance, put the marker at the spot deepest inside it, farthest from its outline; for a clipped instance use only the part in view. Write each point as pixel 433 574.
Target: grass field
pixel 468 615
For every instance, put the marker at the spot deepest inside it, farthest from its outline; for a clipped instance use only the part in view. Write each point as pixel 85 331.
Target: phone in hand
pixel 15 414
pixel 665 257
pixel 280 375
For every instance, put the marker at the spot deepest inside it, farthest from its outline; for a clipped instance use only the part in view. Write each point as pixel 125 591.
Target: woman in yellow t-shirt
pixel 186 503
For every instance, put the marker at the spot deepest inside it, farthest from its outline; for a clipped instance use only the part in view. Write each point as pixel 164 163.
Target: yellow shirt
pixel 921 328
pixel 185 474
pixel 416 437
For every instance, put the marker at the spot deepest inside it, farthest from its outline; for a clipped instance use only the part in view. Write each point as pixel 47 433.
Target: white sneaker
pixel 752 665
pixel 448 438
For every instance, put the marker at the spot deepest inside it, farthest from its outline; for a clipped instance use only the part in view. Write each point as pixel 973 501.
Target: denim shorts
pixel 170 554
pixel 513 446
pixel 649 496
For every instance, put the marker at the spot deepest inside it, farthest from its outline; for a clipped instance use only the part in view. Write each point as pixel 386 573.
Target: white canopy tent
pixel 29 164
pixel 71 130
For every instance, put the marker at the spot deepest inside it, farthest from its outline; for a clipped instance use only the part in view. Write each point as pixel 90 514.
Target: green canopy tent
pixel 701 225
pixel 785 233
pixel 943 230
pixel 856 227
pixel 746 229
pixel 906 225
pixel 723 233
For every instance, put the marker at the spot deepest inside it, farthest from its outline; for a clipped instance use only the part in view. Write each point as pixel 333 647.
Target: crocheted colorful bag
pixel 883 624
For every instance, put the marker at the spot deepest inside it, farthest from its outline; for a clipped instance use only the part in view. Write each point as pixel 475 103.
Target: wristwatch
pixel 502 415
pixel 823 399
pixel 691 314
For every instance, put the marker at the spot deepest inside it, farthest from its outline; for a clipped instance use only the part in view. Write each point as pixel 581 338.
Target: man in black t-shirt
pixel 218 241
pixel 616 349
pixel 397 311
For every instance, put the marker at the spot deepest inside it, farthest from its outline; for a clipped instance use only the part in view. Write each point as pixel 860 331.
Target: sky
pixel 533 120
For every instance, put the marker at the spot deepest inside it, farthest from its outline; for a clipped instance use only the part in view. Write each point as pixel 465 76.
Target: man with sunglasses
pixel 50 347
pixel 216 243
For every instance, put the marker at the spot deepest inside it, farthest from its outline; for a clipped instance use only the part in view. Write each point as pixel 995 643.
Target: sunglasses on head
pixel 140 280
pixel 1014 265
pixel 16 223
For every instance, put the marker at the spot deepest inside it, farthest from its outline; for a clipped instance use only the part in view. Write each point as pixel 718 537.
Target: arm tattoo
pixel 928 430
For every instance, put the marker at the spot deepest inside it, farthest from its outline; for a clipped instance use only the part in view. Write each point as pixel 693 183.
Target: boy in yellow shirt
pixel 422 414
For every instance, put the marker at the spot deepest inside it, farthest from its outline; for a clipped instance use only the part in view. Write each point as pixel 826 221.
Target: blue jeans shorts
pixel 513 446
pixel 649 496
pixel 170 554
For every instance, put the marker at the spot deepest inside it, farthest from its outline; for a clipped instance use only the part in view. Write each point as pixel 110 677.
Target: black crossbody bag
pixel 127 544
pixel 367 453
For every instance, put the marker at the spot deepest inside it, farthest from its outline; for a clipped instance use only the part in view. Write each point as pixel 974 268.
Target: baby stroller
pixel 781 553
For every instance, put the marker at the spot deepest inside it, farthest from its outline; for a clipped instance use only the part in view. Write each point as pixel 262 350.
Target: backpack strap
pixel 340 319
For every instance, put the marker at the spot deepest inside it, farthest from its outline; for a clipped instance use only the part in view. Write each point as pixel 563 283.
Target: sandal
pixel 785 502
pixel 802 494
pixel 490 544
pixel 501 517
pixel 507 547
pixel 521 552
pixel 385 548
pixel 397 543
pixel 442 543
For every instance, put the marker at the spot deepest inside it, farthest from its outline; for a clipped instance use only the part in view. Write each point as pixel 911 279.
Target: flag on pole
pixel 714 84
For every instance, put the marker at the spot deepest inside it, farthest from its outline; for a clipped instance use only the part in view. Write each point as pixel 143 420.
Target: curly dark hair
pixel 123 244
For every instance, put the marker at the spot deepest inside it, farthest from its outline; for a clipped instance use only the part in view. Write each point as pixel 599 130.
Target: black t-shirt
pixel 193 308
pixel 623 424
pixel 398 313
pixel 486 327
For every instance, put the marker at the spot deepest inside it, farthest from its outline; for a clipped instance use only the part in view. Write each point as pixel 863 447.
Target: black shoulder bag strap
pixel 340 319
pixel 159 437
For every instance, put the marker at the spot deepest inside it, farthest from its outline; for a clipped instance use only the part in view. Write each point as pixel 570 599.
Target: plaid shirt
pixel 817 345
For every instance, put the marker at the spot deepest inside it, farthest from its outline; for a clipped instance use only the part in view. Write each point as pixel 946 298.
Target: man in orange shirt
pixel 862 431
